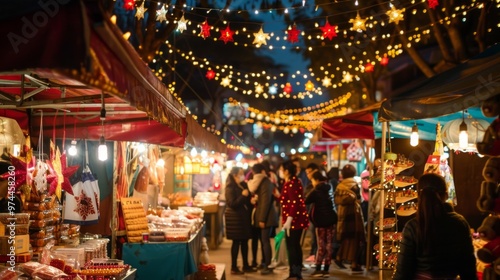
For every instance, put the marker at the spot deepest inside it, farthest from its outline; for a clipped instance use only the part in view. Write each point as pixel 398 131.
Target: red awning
pixel 353 126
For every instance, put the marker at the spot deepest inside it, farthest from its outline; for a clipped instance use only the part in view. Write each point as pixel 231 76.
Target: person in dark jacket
pixel 324 218
pixel 437 243
pixel 266 215
pixel 238 218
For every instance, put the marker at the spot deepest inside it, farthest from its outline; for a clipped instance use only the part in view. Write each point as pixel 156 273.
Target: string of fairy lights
pixel 331 35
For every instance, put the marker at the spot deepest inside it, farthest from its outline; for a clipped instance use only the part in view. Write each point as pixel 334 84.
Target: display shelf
pixel 400 167
pixel 406 213
pixel 404 199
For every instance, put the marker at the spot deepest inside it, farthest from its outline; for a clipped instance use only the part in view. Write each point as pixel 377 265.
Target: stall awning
pixel 466 85
pixel 199 137
pixel 357 125
pixel 73 63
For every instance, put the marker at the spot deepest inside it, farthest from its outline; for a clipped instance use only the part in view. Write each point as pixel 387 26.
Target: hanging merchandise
pixel 82 207
pixel 355 151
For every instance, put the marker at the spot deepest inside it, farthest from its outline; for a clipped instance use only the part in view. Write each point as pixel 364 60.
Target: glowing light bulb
pixel 463 136
pixel 414 136
pixel 72 151
pixel 102 151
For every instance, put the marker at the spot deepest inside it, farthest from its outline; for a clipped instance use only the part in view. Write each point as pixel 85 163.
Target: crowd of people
pixel 332 210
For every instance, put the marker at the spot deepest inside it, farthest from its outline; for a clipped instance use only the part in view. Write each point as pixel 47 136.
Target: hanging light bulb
pixel 463 136
pixel 414 135
pixel 194 153
pixel 72 151
pixel 102 151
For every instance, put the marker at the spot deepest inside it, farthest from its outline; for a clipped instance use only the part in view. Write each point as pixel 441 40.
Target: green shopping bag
pixel 277 243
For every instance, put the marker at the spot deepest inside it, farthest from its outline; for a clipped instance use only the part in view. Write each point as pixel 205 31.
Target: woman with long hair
pixel 238 218
pixel 437 243
pixel 294 217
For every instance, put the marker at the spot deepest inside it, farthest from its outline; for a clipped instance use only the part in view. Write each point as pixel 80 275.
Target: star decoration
pixel 260 38
pixel 210 74
pixel 369 68
pixel 358 23
pixel 259 89
pixel 433 3
pixel 384 61
pixel 288 88
pixel 161 15
pixel 129 5
pixel 205 30
pixel 326 82
pixel 293 34
pixel 309 86
pixel 139 13
pixel 226 35
pixel 182 24
pixel 273 90
pixel 22 170
pixel 329 31
pixel 58 179
pixel 347 78
pixel 395 15
pixel 225 82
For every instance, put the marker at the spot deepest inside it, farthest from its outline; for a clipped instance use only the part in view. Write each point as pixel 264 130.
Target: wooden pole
pixel 381 205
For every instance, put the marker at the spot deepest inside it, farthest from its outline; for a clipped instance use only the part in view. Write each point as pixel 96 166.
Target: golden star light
pixel 260 38
pixel 395 15
pixel 326 82
pixel 161 15
pixel 259 89
pixel 358 23
pixel 309 86
pixel 182 24
pixel 139 14
pixel 225 82
pixel 347 78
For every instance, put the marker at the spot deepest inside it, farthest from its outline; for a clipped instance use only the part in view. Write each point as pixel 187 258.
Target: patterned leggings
pixel 324 237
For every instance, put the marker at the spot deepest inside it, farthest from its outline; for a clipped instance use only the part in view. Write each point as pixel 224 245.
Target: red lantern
pixel 288 88
pixel 210 74
pixel 384 61
pixel 129 5
pixel 433 3
pixel 293 34
pixel 369 67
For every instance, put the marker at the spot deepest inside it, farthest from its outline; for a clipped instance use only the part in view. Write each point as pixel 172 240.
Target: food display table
pixel 164 260
pixel 214 216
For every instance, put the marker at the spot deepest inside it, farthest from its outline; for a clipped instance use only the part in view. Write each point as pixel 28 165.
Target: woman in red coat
pixel 294 217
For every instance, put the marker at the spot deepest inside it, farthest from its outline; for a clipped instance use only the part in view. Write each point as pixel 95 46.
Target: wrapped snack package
pixel 8 274
pixel 48 272
pixel 30 267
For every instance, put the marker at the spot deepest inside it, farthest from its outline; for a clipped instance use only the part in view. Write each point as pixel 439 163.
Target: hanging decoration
pixel 326 82
pixel 139 13
pixel 329 31
pixel 293 34
pixel 58 179
pixel 210 74
pixel 182 24
pixel 395 15
pixel 433 3
pixel 225 82
pixel 129 5
pixel 347 77
pixel 161 14
pixel 226 35
pixel 369 68
pixel 259 89
pixel 288 88
pixel 260 38
pixel 309 86
pixel 23 168
pixel 358 23
pixel 205 30
pixel 384 61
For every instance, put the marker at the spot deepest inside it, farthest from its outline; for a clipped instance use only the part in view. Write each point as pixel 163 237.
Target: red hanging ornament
pixel 384 61
pixel 210 74
pixel 129 5
pixel 369 67
pixel 433 3
pixel 226 35
pixel 59 174
pixel 293 34
pixel 288 88
pixel 329 31
pixel 205 30
pixel 22 170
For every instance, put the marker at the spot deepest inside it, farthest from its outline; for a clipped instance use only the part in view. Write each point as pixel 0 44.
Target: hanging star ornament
pixel 161 15
pixel 226 35
pixel 210 74
pixel 358 23
pixel 225 82
pixel 326 82
pixel 288 88
pixel 129 5
pixel 182 24
pixel 259 89
pixel 329 31
pixel 22 170
pixel 293 34
pixel 58 179
pixel 260 38
pixel 433 3
pixel 139 13
pixel 205 30
pixel 395 15
pixel 309 86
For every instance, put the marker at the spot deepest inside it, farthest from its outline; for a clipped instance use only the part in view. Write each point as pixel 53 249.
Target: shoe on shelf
pixel 237 271
pixel 311 258
pixel 266 271
pixel 249 269
pixel 356 269
pixel 339 264
pixel 317 274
